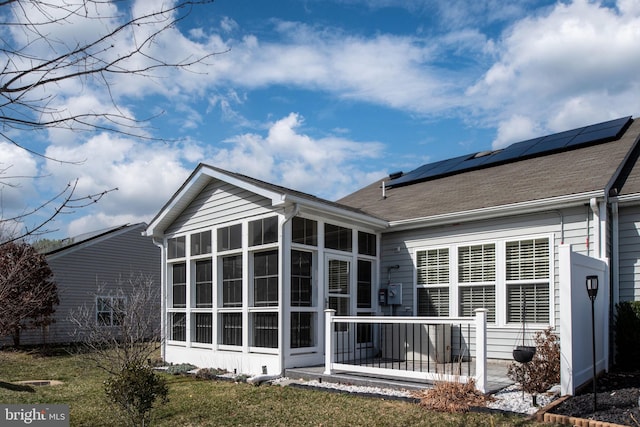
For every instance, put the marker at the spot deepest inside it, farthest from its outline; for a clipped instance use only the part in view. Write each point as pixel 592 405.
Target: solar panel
pixel 561 141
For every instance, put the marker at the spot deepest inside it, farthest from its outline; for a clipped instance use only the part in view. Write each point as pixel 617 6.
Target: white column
pixel 481 349
pixel 328 340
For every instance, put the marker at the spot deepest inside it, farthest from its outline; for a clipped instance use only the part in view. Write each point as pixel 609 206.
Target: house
pixel 249 267
pixel 89 270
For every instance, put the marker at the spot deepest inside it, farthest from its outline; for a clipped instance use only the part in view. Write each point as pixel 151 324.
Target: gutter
pixel 163 296
pixel 496 211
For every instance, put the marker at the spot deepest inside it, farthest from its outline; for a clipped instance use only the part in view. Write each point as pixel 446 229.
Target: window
pixel 366 243
pixel 433 282
pixel 477 275
pixel 302 329
pixel 364 283
pixel 304 231
pixel 231 329
pixel 230 238
pixel 176 248
pixel 203 327
pixel 336 237
pixel 265 330
pixel 179 285
pixel 204 284
pixel 263 231
pixel 109 310
pixel 232 281
pixel 433 302
pixel 178 326
pixel 265 278
pixel 527 280
pixel 301 286
pixel 201 243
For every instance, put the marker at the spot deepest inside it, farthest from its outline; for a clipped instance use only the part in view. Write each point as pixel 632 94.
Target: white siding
pixel 399 249
pixel 79 270
pixel 629 255
pixel 219 203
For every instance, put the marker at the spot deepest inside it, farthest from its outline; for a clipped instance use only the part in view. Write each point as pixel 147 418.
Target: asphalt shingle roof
pixel 577 171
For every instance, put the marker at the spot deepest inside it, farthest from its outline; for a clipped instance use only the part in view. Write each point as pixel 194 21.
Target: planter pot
pixel 523 353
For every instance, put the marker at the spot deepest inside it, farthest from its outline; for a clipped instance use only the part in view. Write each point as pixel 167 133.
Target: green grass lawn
pixel 194 402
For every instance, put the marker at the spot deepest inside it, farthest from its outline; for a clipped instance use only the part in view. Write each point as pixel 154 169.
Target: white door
pixel 338 294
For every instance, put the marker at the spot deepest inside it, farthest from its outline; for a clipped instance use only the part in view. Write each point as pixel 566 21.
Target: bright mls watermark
pixel 34 415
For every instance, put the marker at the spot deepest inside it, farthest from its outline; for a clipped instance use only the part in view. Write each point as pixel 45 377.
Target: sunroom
pixel 248 270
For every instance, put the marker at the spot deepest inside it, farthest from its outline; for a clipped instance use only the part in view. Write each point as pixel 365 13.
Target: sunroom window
pixel 265 278
pixel 230 237
pixel 301 280
pixel 304 231
pixel 201 243
pixel 336 237
pixel 204 284
pixel 263 231
pixel 232 281
pixel 179 285
pixel 433 282
pixel 176 247
pixel 527 281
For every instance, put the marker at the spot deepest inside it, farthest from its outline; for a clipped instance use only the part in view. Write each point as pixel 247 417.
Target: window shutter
pixel 433 302
pixel 433 266
pixel 477 263
pixel 473 297
pixel 532 299
pixel 527 259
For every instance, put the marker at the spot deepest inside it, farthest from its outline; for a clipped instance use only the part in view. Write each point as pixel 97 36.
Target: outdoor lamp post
pixel 592 291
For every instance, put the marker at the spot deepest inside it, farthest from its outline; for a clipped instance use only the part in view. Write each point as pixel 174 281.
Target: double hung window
pixel 527 281
pixel 433 282
pixel 476 278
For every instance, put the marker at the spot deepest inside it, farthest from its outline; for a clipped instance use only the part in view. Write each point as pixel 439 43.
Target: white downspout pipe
pixel 163 296
pixel 281 298
pixel 615 261
pixel 595 208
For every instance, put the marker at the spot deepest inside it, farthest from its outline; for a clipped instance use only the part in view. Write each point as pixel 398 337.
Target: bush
pixel 182 368
pixel 543 371
pixel 135 390
pixel 627 328
pixel 449 396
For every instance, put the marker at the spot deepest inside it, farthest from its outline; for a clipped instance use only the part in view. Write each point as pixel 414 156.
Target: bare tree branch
pixel 32 77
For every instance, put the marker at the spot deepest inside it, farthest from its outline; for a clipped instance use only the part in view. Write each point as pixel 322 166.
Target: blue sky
pixel 326 96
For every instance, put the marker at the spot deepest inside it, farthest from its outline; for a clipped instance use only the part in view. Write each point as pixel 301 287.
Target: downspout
pixel 596 227
pixel 163 305
pixel 287 218
pixel 615 261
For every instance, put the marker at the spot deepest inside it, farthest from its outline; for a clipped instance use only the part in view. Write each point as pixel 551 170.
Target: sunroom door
pixel 339 289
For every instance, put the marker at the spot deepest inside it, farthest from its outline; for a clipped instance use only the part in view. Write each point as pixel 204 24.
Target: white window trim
pixel 500 278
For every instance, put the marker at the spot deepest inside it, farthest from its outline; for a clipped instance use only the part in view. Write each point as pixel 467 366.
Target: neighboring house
pixel 89 270
pixel 249 267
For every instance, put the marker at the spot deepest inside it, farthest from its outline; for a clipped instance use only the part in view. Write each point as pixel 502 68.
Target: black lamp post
pixel 592 291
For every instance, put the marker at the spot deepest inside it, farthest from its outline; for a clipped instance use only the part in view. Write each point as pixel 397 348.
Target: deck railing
pixel 417 348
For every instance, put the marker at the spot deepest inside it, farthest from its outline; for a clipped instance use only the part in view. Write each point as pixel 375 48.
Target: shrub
pixel 627 328
pixel 543 371
pixel 181 368
pixel 135 390
pixel 449 396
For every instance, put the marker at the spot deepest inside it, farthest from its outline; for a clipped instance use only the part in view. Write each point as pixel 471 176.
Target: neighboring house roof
pixel 94 237
pixel 557 178
pixel 280 196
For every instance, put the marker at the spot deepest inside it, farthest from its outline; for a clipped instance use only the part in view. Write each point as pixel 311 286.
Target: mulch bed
pixel 617 400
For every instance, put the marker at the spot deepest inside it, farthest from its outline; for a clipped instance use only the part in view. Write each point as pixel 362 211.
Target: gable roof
pixel 559 178
pixel 93 237
pixel 279 196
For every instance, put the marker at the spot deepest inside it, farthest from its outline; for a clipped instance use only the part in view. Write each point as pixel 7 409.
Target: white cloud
pixel 328 167
pixel 516 128
pixel 19 177
pixel 569 67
